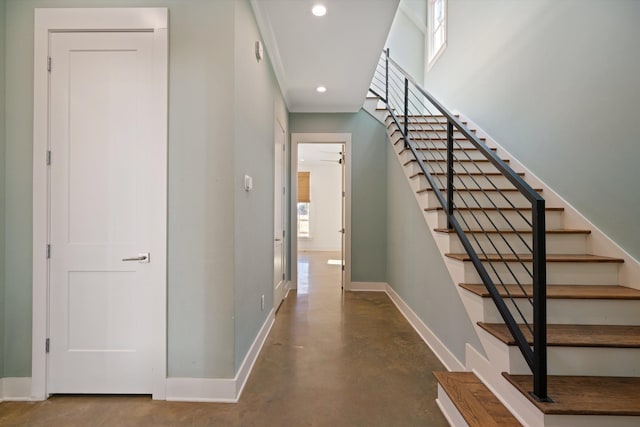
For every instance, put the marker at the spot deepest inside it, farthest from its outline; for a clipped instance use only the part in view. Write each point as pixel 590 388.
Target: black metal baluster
pixel 406 113
pixel 386 74
pixel 539 302
pixel 449 174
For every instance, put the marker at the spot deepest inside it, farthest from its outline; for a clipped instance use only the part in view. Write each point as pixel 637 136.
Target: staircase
pixel 592 321
pixel 548 294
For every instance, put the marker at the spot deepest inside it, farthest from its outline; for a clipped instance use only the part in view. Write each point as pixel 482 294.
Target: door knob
pixel 142 257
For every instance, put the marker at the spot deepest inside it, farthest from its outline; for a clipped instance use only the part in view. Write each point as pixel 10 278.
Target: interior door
pixel 104 190
pixel 278 216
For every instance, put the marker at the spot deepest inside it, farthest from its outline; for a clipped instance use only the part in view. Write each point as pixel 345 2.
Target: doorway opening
pixel 320 206
pixel 320 203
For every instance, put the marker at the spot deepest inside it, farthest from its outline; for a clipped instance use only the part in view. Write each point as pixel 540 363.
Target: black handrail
pixel 536 355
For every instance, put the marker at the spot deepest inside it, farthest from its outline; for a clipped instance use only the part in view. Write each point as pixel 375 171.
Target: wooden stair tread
pixel 470 173
pixel 434 138
pixel 581 395
pixel 457 161
pixel 529 257
pixel 475 402
pixel 486 190
pixel 454 149
pixel 528 231
pixel 614 336
pixel 608 292
pixel 439 208
pixel 416 122
pixel 442 129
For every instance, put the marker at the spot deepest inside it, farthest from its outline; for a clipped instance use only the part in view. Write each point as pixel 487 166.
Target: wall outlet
pixel 262 302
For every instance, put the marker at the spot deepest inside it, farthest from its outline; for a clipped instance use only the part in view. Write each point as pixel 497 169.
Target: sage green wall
pixel 406 41
pixel 204 186
pixel 416 271
pixel 556 83
pixel 257 100
pixel 3 322
pixel 368 185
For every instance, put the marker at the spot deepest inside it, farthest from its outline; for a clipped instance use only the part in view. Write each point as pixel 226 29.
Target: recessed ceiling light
pixel 319 10
pixel 321 89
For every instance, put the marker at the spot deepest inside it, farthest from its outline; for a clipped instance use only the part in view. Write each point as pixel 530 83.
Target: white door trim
pixel 75 19
pixel 305 138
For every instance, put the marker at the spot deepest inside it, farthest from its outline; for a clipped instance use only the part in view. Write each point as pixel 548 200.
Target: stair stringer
pixel 597 242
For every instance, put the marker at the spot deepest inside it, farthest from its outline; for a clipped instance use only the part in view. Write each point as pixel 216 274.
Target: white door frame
pixel 319 138
pixel 277 126
pixel 74 19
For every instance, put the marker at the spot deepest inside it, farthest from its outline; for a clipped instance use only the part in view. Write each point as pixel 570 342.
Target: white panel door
pixel 104 193
pixel 278 215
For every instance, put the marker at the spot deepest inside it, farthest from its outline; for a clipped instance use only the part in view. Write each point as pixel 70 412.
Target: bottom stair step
pixel 474 401
pixel 616 396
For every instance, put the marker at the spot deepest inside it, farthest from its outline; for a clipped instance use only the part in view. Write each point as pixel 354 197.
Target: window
pixel 437 29
pixel 304 202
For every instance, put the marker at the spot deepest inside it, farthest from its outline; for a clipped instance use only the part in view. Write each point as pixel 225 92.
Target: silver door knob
pixel 143 257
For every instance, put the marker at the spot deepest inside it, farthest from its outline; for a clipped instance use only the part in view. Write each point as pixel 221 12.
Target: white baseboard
pixel 220 389
pixel 15 389
pixel 368 286
pixel 440 350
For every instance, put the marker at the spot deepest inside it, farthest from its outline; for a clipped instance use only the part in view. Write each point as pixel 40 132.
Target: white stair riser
pixel 472 199
pixel 591 361
pixel 590 421
pixel 507 243
pixel 415 121
pixel 553 219
pixel 596 361
pixel 569 311
pixel 559 273
pixel 464 182
pixel 458 155
pixel 430 140
pixel 465 167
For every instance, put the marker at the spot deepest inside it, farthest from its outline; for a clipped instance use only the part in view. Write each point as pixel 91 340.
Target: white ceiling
pixel 339 50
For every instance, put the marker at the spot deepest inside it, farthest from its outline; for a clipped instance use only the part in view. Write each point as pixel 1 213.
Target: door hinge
pixel 48 251
pixel 46 345
pixel 282 276
pixel 49 64
pixel 342 267
pixel 48 157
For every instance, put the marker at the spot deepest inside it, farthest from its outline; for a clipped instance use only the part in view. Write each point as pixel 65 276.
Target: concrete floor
pixel 331 359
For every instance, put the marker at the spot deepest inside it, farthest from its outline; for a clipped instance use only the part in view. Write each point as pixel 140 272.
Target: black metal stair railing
pixel 454 162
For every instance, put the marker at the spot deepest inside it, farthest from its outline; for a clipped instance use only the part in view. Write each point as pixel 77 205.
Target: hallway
pixel 331 359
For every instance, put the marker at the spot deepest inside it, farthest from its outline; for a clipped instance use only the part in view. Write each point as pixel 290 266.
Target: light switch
pixel 248 183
